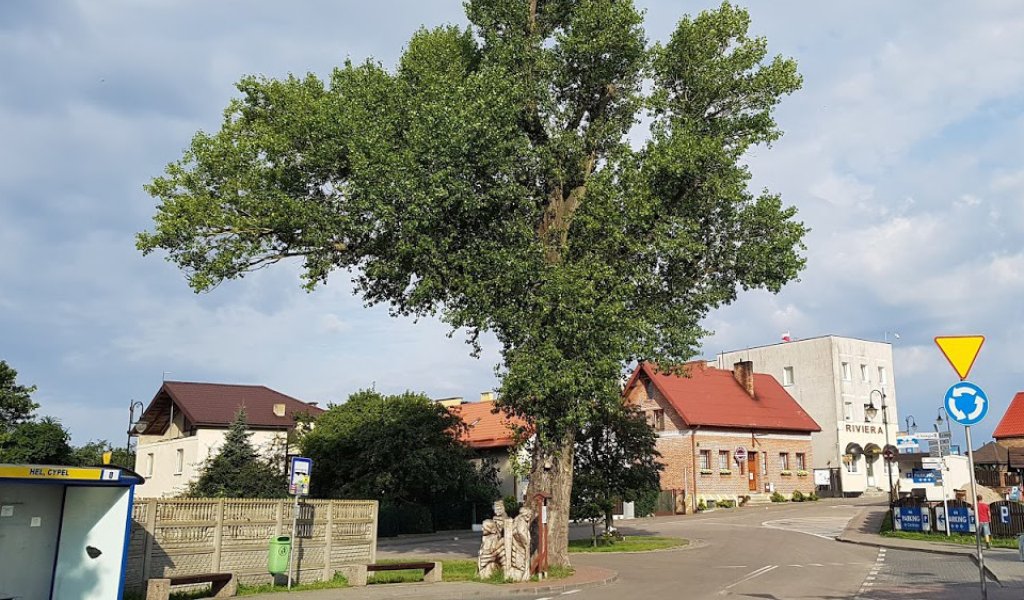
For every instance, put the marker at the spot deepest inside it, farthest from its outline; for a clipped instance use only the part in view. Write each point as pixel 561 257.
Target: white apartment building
pixel 186 422
pixel 843 383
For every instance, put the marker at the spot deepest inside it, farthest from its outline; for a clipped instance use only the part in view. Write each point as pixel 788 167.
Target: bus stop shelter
pixel 64 531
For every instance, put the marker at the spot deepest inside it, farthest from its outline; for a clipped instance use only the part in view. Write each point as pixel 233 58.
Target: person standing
pixel 984 521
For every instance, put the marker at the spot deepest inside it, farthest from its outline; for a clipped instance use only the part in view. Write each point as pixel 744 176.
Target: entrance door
pixel 752 471
pixel 871 460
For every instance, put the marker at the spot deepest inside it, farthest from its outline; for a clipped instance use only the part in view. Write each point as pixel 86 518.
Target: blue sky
pixel 902 152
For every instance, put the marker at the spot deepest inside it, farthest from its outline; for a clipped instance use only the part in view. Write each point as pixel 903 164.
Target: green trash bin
pixel 280 551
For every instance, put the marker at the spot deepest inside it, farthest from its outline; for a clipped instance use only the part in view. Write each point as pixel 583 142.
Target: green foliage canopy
pixel 490 179
pixel 399 449
pixel 616 459
pixel 16 405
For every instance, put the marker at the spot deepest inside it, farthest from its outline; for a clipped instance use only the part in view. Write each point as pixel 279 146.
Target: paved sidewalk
pixel 584 577
pixel 1003 565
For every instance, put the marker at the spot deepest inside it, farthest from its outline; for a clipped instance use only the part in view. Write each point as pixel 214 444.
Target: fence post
pixel 280 520
pixel 375 513
pixel 328 536
pixel 218 535
pixel 147 557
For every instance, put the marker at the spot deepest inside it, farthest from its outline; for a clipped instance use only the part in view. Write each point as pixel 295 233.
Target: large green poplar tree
pixel 489 179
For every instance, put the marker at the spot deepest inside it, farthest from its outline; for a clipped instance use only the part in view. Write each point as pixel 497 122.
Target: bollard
pixel 1020 546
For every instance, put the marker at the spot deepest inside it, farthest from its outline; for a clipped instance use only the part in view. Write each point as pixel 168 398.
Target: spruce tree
pixel 237 470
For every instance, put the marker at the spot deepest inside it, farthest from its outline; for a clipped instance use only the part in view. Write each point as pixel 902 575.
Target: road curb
pixel 610 577
pixel 881 544
pixel 988 571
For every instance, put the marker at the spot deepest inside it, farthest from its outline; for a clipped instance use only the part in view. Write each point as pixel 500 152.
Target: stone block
pixel 434 575
pixel 355 574
pixel 158 589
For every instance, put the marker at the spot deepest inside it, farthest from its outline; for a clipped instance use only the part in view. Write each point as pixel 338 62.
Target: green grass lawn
pixel 964 539
pixel 451 570
pixel 630 544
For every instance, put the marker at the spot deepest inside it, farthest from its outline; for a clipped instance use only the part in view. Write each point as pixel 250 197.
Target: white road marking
pixel 750 576
pixel 570 592
pixel 731 567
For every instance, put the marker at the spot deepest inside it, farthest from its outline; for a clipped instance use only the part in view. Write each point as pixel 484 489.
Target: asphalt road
pixel 784 552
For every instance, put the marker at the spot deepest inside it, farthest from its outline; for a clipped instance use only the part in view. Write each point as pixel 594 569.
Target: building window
pixel 179 462
pixel 801 461
pixel 851 467
pixel 882 379
pixel 723 460
pixel 784 461
pixel 787 376
pixel 149 465
pixel 705 460
pixel 649 389
pixel 864 373
pixel 848 411
pixel 656 419
pixel 847 373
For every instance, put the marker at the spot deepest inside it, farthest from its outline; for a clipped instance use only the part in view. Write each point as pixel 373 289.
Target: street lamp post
pixel 134 426
pixel 870 410
pixel 939 420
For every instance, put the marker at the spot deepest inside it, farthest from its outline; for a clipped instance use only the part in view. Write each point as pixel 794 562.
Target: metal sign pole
pixel 945 502
pixel 977 513
pixel 291 555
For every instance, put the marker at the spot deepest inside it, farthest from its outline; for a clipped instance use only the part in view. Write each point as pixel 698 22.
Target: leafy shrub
pixel 726 503
pixel 744 500
pixel 798 496
pixel 396 519
pixel 777 497
pixel 646 503
pixel 813 497
pixel 701 506
pixel 512 506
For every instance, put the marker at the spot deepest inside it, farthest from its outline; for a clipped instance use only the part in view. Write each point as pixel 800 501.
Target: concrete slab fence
pixel 192 536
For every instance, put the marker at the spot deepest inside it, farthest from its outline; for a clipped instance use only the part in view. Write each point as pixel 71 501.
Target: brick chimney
pixel 743 371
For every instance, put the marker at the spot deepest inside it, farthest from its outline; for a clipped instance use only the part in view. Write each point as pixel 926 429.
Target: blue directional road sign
pixel 966 403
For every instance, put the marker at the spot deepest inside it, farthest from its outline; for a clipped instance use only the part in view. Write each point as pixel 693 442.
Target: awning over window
pixel 872 450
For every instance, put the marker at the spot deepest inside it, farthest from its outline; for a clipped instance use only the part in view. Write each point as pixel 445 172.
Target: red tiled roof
pixel 487 428
pixel 1012 423
pixel 712 397
pixel 215 405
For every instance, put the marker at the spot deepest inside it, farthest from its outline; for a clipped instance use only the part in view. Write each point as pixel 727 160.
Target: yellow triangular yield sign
pixel 960 351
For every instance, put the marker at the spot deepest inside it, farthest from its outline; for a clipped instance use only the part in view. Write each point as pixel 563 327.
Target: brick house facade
pixel 704 417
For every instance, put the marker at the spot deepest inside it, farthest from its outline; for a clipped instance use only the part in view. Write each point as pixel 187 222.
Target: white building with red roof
pixel 724 434
pixel 186 422
pixel 492 434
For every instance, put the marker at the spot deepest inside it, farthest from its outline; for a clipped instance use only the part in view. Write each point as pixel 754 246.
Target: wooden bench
pixel 432 571
pixel 223 585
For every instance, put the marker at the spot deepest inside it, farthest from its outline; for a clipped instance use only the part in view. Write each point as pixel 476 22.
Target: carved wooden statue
pixel 492 543
pixel 518 567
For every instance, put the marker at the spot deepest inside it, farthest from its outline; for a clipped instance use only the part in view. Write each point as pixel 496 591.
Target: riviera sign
pixel 864 429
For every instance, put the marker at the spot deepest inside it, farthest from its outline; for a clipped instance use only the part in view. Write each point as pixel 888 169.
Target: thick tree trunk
pixel 551 473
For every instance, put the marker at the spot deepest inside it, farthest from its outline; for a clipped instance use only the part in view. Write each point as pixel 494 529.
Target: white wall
pixel 166 482
pixel 96 517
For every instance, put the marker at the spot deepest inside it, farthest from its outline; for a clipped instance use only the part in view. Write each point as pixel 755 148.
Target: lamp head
pixel 870 410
